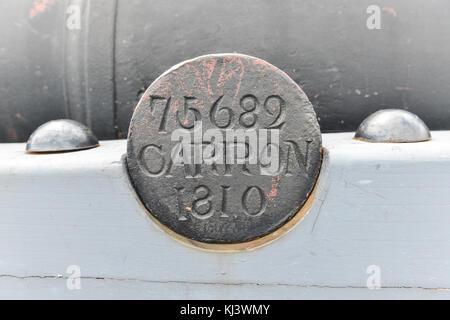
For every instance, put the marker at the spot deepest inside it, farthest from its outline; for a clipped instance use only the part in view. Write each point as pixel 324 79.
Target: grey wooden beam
pixel 376 204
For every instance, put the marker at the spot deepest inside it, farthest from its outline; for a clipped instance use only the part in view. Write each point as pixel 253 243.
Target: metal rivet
pixel 60 136
pixel 393 125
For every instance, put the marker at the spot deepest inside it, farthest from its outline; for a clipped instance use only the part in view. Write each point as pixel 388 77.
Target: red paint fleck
pixel 175 107
pixel 208 68
pixel 226 72
pixel 241 75
pixel 276 87
pixel 40 6
pixel 272 193
pixel 390 10
pixel 199 80
pixel 264 64
pixel 210 65
pixel 181 83
pixel 185 122
pixel 274 190
pixel 164 87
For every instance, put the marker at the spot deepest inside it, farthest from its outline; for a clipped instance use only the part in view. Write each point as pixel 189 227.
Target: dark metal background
pixel 95 74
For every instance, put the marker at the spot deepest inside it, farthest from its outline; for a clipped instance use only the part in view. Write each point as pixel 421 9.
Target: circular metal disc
pixel 234 198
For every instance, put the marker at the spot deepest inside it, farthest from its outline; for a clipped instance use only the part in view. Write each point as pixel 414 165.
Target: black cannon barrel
pixel 91 60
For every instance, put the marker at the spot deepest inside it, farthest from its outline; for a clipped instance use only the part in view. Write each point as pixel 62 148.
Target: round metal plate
pixel 224 148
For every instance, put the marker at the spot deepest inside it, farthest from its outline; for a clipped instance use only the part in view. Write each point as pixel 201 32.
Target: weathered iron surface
pixel 61 135
pixel 393 125
pixel 224 202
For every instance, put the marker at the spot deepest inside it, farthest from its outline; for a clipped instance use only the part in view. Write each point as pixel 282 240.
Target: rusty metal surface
pixel 225 201
pixel 60 136
pixel 393 125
